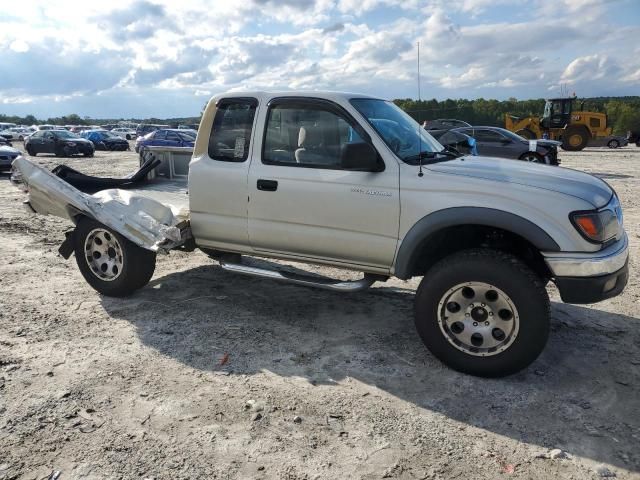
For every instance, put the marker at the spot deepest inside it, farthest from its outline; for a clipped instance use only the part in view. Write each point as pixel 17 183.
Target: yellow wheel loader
pixel 560 122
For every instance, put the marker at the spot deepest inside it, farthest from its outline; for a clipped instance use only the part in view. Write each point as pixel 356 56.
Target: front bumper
pixel 591 277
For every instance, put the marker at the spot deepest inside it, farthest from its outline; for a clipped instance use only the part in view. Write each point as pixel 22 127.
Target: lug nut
pixel 486 323
pixel 475 324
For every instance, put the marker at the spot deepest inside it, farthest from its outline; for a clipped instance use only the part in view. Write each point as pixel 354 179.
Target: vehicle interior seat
pixel 311 148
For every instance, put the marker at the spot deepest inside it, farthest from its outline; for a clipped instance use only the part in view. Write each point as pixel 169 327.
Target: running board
pixel 309 281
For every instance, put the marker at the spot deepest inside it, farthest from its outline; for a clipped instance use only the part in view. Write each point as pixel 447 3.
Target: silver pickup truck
pixel 353 182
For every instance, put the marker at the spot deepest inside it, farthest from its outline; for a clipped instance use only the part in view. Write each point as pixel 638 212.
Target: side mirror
pixel 361 157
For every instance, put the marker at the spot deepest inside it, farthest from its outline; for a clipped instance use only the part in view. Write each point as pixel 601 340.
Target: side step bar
pixel 309 281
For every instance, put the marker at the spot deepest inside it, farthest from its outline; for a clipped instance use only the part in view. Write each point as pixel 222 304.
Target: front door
pixel 302 201
pixel 48 143
pixel 491 144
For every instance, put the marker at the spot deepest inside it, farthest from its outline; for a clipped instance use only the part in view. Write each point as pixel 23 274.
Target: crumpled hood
pixel 545 177
pixel 548 143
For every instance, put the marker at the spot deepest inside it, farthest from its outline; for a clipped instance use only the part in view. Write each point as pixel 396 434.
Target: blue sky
pixel 142 58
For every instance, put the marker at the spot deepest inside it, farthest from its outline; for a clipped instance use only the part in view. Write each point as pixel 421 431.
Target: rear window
pixel 231 129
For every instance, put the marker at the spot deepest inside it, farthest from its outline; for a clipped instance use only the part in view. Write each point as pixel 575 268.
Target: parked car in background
pixel 47 127
pixel 4 141
pixel 499 142
pixel 62 143
pixel 126 133
pixel 611 141
pixel 7 155
pixel 104 140
pixel 144 128
pixel 6 125
pixel 166 138
pixel 15 133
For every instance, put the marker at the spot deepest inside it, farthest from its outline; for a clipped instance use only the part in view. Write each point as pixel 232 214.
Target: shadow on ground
pixel 581 395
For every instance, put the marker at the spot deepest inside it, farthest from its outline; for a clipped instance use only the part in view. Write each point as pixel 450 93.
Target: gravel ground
pixel 205 374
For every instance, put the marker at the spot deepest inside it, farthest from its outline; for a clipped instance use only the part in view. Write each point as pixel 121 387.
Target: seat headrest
pixel 309 136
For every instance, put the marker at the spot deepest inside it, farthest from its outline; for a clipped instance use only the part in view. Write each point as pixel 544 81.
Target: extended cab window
pixel 307 135
pixel 231 130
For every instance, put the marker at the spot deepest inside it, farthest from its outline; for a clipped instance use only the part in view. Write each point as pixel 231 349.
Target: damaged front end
pixel 148 223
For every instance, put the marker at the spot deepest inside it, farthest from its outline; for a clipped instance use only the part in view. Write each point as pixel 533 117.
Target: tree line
pixel 623 112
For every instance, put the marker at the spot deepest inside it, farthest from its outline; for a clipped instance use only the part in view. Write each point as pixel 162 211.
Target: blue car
pixel 166 137
pixel 104 140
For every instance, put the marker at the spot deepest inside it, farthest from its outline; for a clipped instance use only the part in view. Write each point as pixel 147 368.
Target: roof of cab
pixel 264 95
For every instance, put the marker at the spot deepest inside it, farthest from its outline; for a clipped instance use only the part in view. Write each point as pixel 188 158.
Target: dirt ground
pixel 206 374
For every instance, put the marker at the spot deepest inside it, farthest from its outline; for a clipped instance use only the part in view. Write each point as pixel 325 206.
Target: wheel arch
pixel 457 228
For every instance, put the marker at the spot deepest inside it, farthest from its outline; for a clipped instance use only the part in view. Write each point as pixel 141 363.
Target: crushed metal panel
pixel 146 222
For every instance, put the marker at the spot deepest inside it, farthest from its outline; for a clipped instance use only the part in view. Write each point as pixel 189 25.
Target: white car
pixel 16 133
pixel 126 133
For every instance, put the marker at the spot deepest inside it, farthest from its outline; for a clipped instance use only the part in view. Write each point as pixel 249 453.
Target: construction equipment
pixel 560 122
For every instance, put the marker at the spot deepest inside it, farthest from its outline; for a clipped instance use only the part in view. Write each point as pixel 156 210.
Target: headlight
pixel 71 144
pixel 602 225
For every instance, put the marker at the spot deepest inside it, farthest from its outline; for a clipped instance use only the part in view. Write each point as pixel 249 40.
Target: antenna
pixel 420 174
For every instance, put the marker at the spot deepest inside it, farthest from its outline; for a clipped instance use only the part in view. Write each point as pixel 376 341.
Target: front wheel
pixel 613 144
pixel 483 312
pixel 532 157
pixel 110 263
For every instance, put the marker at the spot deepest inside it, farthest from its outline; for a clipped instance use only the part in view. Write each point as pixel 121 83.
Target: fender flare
pixel 411 245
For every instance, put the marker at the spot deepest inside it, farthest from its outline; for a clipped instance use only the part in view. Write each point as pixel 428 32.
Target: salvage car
pixel 104 140
pixel 8 155
pixel 62 143
pixel 353 182
pixel 499 142
pixel 611 141
pixel 126 133
pixel 166 138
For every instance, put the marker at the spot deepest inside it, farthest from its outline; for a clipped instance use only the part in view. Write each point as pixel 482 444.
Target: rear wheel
pixel 526 133
pixel 613 144
pixel 483 312
pixel 110 263
pixel 575 138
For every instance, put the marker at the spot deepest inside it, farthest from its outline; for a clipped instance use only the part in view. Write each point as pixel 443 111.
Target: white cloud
pixel 154 50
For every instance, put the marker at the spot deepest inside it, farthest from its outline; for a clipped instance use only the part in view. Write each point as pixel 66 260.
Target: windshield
pixel 402 134
pixel 65 134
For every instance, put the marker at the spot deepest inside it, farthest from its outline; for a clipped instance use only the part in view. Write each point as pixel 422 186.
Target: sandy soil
pixel 203 374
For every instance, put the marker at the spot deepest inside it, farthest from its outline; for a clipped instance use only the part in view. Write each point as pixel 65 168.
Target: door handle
pixel 267 185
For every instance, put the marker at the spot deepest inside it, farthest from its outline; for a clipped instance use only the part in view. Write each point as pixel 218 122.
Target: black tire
pixel 502 271
pixel 526 133
pixel 533 157
pixel 575 138
pixel 137 269
pixel 613 144
pixel 31 152
pixel 88 154
pixel 128 137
